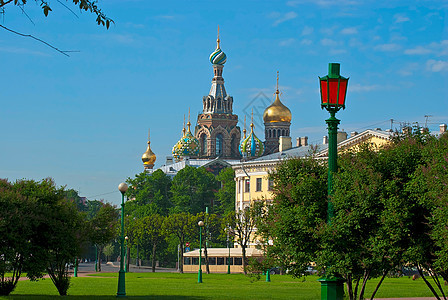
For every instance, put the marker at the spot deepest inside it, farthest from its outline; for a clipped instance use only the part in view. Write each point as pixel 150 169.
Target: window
pixel 227 260
pixel 204 144
pixel 220 261
pixel 238 261
pixel 219 141
pixel 195 260
pixel 247 186
pixel 270 184
pixel 212 260
pixel 187 260
pixel 258 187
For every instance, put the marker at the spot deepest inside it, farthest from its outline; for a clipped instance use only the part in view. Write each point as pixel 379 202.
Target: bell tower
pixel 217 130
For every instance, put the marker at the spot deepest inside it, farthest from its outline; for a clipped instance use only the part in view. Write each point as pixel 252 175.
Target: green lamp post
pixel 200 224
pixel 333 89
pixel 126 254
pixel 228 246
pixel 122 187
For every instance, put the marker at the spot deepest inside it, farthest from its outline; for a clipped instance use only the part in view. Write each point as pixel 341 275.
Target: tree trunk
pixel 349 286
pixel 154 257
pixel 243 250
pixel 99 258
pixel 128 257
pixel 420 271
pixel 378 285
pixel 364 282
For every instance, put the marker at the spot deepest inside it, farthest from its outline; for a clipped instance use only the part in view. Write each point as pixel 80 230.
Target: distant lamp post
pixel 126 255
pixel 333 89
pixel 122 187
pixel 200 224
pixel 228 246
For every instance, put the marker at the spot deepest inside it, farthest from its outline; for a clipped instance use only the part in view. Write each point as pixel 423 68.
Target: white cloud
pixel 437 65
pixel 307 30
pixel 306 42
pixel 337 51
pixel 438 48
pixel 419 50
pixel 287 42
pixel 285 17
pixel 408 69
pixel 328 42
pixel 387 47
pixel 24 51
pixel 349 30
pixel 400 18
pixel 322 3
pixel 363 88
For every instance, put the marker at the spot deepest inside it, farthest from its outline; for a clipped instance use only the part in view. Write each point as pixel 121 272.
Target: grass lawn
pixel 214 286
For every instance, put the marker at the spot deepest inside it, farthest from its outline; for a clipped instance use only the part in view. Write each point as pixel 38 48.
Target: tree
pixel 184 227
pixel 378 222
pixel 225 196
pixel 428 188
pixel 193 189
pixel 57 231
pixel 17 217
pixel 151 233
pixel 103 228
pixel 86 5
pixel 151 194
pixel 298 209
pixel 242 224
pixel 212 233
pixel 109 250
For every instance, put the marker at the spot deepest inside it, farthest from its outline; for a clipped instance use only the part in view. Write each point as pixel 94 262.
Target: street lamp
pixel 126 255
pixel 228 246
pixel 200 224
pixel 333 89
pixel 122 187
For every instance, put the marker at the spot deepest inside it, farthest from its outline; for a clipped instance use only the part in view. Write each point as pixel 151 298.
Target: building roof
pixel 224 252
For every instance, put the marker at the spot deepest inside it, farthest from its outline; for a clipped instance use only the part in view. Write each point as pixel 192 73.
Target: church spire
pixel 148 158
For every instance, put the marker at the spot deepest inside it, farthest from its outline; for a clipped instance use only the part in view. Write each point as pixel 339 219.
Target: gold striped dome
pixel 277 112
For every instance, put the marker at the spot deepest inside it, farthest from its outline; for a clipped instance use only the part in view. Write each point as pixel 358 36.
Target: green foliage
pixel 103 228
pixel 225 196
pixel 389 210
pixel 46 232
pixel 86 5
pixel 299 210
pixel 193 189
pixel 150 193
pixel 184 227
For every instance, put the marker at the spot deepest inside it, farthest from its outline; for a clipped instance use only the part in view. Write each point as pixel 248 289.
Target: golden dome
pixel 277 112
pixel 148 158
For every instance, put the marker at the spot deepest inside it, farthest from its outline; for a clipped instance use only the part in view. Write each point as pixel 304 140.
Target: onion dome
pixel 251 145
pixel 148 158
pixel 187 146
pixel 218 57
pixel 277 111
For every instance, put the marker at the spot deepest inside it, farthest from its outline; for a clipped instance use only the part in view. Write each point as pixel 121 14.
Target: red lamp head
pixel 333 88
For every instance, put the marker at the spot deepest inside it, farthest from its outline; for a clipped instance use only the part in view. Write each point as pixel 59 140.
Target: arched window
pixel 278 133
pixel 283 132
pixel 219 144
pixel 273 133
pixel 203 144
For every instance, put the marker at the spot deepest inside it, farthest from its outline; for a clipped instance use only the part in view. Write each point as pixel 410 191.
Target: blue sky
pixel 83 119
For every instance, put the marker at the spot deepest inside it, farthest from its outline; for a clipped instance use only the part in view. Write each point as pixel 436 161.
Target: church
pixel 217 141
